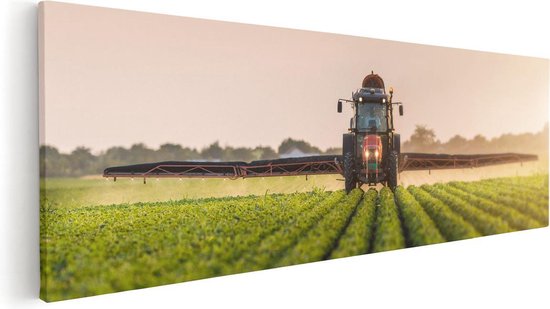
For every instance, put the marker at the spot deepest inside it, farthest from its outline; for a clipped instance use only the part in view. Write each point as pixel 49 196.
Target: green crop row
pixel 451 224
pixel 419 228
pixel 537 198
pixel 500 196
pixel 514 218
pixel 482 221
pixel 536 185
pixel 271 248
pixel 357 237
pixel 251 237
pixel 319 241
pixel 388 231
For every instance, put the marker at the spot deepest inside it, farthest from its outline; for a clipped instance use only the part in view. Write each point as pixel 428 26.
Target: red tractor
pixel 371 148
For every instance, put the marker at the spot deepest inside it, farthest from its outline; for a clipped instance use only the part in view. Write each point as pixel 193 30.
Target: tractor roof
pixel 373 81
pixel 372 89
pixel 369 95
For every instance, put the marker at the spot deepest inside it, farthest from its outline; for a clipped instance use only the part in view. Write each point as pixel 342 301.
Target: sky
pixel 115 78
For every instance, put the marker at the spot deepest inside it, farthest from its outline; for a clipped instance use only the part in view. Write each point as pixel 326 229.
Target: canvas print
pixel 175 149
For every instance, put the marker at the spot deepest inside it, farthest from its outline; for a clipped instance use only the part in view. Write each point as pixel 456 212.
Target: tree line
pixel 425 140
pixel 81 161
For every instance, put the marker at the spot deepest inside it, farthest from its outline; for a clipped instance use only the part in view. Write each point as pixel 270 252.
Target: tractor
pixel 371 149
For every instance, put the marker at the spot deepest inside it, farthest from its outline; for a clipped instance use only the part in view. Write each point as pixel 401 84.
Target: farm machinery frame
pixel 371 152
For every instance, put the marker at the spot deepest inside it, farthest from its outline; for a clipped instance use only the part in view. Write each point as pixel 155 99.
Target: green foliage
pixel 89 250
pixel 507 196
pixel 358 235
pixel 388 235
pixel 425 139
pixel 319 241
pixel 483 222
pixel 213 152
pixel 290 144
pixel 533 188
pixel 420 229
pixel 273 247
pixel 93 250
pixel 514 218
pixel 452 225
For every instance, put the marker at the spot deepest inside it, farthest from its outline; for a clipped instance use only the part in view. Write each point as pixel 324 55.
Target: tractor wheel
pixel 393 167
pixel 349 173
pixel 397 143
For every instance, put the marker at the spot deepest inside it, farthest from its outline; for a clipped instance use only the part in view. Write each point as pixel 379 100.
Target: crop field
pixel 88 250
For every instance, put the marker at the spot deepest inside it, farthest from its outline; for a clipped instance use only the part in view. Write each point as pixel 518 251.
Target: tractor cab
pixel 370 117
pixel 371 148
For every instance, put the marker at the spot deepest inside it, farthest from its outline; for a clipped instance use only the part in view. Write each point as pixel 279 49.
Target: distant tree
pixel 333 151
pixel 479 144
pixel 242 154
pixel 290 144
pixel 169 152
pixel 213 152
pixel 189 154
pixel 227 154
pixel 505 142
pixel 264 153
pixel 43 161
pixel 423 139
pixel 52 163
pixel 174 152
pixel 82 161
pixel 457 144
pixel 139 153
pixel 115 156
pixel 542 139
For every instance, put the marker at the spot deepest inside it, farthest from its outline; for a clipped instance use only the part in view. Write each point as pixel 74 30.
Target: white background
pixel 502 271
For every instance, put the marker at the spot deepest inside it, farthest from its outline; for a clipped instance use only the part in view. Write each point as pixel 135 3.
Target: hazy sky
pixel 115 78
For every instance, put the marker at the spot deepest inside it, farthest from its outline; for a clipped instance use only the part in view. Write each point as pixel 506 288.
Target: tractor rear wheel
pixel 393 169
pixel 349 172
pixel 397 143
